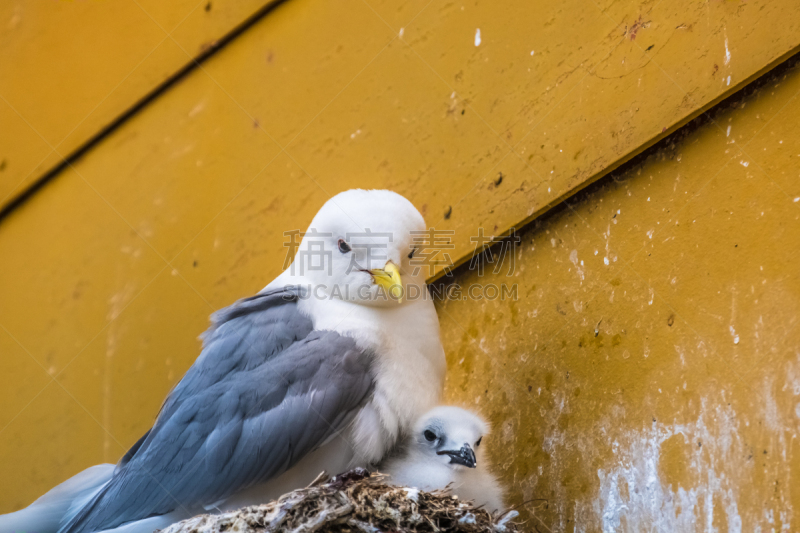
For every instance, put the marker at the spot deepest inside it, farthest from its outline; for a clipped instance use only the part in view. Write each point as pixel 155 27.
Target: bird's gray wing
pixel 266 390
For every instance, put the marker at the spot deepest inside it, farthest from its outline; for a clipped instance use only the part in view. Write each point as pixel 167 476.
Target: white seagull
pixel 444 452
pixel 321 370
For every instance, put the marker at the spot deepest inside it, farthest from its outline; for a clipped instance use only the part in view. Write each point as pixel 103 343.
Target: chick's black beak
pixel 465 456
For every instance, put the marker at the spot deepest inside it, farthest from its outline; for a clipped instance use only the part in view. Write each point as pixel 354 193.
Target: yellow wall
pixel 70 68
pixel 110 271
pixel 668 380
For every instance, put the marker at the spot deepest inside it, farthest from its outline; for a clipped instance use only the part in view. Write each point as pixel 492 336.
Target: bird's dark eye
pixel 478 443
pixel 411 253
pixel 430 436
pixel 343 246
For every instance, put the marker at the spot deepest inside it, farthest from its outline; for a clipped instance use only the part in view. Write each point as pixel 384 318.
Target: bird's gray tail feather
pixel 59 504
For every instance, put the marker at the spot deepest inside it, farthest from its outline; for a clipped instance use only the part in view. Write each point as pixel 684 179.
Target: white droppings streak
pixel 573 257
pixel 729 80
pixel 634 497
pixel 734 335
pixel 728 133
pixel 727 52
pixel 640 490
pixel 478 37
pixel 483 346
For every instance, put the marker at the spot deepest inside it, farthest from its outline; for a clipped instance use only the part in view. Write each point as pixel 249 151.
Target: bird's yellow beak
pixel 388 277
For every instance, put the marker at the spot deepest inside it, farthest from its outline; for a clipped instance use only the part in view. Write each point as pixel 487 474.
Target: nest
pixel 356 502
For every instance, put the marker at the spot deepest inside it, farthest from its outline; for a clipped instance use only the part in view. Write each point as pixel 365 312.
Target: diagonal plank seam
pixel 193 64
pixel 631 156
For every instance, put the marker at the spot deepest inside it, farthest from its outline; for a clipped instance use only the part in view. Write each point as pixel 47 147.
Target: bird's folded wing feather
pixel 266 390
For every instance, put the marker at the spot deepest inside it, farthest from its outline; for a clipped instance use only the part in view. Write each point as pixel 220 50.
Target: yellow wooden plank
pixel 69 68
pixel 570 89
pixel 605 83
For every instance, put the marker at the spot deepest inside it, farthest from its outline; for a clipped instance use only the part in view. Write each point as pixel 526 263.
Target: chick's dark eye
pixel 343 246
pixel 478 443
pixel 430 436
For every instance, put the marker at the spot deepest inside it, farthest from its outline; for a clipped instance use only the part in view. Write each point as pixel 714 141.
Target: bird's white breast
pixel 410 365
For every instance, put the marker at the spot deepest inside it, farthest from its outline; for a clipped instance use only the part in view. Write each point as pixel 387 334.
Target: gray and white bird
pixel 321 370
pixel 444 451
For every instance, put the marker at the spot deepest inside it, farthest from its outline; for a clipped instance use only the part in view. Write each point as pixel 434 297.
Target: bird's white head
pixel 360 247
pixel 451 435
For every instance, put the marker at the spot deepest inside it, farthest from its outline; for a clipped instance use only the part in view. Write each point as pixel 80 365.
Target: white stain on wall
pixel 634 496
pixel 721 474
pixel 729 459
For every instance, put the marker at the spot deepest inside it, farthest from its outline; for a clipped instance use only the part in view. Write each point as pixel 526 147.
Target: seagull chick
pixel 444 451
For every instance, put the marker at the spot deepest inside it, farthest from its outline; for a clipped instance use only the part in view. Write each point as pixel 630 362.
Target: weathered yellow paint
pixel 642 389
pixel 110 271
pixel 594 92
pixel 69 68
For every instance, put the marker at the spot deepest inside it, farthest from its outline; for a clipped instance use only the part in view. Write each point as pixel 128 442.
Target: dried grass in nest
pixel 354 502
